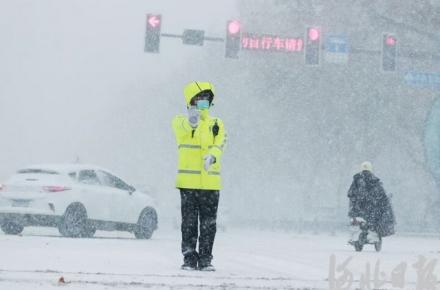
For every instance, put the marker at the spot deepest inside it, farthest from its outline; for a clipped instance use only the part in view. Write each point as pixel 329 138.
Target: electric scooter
pixel 361 235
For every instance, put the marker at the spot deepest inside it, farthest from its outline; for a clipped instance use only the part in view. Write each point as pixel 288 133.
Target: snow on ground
pixel 244 259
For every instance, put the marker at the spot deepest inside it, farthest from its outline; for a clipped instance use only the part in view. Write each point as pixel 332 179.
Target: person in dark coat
pixel 369 201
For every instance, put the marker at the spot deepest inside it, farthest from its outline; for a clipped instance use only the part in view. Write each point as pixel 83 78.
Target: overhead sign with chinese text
pixel 266 42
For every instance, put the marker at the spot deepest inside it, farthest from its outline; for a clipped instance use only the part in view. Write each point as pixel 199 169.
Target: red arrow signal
pixel 154 21
pixel 152 34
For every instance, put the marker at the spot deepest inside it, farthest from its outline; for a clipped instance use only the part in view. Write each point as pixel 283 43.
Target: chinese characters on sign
pixel 376 279
pixel 271 43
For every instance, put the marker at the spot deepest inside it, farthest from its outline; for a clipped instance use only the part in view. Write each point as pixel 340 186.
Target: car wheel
pixel 146 224
pixel 74 221
pixel 11 228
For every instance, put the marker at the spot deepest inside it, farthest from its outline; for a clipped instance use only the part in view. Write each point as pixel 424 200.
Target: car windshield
pixel 113 181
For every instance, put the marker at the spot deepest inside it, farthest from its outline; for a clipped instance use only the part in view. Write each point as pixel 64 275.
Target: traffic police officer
pixel 200 140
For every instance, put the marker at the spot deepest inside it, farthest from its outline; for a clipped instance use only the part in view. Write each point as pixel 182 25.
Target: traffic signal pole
pixel 236 40
pixel 207 38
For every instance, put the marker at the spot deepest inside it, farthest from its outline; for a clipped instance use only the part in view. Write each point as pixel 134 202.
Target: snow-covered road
pixel 244 260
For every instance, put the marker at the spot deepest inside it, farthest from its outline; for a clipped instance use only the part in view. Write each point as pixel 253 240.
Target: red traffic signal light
pixel 152 36
pixel 389 52
pixel 233 39
pixel 390 40
pixel 234 27
pixel 154 20
pixel 313 45
pixel 313 34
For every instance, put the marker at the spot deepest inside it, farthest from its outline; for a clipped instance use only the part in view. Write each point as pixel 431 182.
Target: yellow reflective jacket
pixel 194 144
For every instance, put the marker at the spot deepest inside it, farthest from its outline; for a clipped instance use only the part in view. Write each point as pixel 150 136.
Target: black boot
pixel 188 267
pixel 190 262
pixel 207 267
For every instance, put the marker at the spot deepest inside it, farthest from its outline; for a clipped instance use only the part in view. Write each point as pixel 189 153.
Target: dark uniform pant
pixel 197 204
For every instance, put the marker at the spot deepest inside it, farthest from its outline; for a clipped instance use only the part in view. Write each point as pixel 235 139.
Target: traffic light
pixel 313 45
pixel 389 52
pixel 152 36
pixel 233 38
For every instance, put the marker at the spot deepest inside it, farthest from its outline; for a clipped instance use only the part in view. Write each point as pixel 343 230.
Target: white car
pixel 78 199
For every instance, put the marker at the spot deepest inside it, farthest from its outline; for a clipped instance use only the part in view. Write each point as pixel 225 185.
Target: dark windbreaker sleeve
pixel 353 209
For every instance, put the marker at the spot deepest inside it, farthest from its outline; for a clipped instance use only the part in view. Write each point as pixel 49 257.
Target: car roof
pixel 64 168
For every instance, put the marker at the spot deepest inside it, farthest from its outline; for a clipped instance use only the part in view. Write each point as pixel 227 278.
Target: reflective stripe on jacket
pixel 193 145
